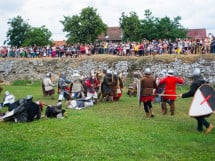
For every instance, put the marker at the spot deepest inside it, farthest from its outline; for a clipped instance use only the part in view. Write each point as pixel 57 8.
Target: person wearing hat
pixel 48 86
pixel 170 82
pixel 197 82
pixel 147 86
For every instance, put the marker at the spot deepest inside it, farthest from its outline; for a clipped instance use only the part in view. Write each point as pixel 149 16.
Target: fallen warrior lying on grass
pixel 24 110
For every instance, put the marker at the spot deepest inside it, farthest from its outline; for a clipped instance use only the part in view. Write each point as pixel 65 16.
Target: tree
pixel 84 28
pixel 161 28
pixel 39 36
pixel 17 31
pixel 130 26
pixel 148 26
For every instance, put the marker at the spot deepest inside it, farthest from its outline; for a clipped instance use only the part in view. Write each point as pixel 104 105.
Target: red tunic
pixel 170 86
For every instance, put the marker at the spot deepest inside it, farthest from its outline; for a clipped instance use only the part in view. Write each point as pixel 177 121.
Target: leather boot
pixel 172 110
pixel 164 110
pixel 148 115
pixel 151 114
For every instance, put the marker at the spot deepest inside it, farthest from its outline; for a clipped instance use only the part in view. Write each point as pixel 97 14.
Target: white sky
pixel 194 13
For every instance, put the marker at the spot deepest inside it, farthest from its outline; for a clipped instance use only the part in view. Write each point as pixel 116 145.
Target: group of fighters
pixel 108 85
pixel 99 86
pixel 165 86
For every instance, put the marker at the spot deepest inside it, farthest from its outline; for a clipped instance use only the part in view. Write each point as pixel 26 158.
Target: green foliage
pixel 130 26
pixel 22 34
pixel 83 28
pixel 39 36
pixel 16 34
pixel 151 27
pixel 107 131
pixel 148 26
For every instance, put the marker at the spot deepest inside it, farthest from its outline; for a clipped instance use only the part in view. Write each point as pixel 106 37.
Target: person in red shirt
pixel 170 82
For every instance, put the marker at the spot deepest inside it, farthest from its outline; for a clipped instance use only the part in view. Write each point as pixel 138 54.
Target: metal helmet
pixel 196 72
pixel 170 72
pixel 29 97
pixel 6 93
pixel 63 75
pixel 48 75
pixel 147 71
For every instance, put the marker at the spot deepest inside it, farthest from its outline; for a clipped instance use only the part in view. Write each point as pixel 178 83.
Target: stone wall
pixel 35 69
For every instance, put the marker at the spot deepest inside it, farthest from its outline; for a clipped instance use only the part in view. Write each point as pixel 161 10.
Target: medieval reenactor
pixel 55 111
pixel 91 84
pixel 24 110
pixel 107 86
pixel 76 87
pixel 169 93
pixel 147 87
pixel 63 85
pixel 117 88
pixel 197 82
pixel 8 99
pixel 48 86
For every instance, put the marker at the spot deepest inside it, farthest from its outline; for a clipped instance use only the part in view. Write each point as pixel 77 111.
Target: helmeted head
pixel 29 97
pixel 109 71
pixel 170 72
pixel 48 75
pixel 62 75
pixel 196 72
pixel 93 74
pixel 6 93
pixel 147 71
pixel 136 74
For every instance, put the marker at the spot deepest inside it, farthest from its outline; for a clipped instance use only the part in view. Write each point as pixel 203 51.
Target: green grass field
pixel 112 131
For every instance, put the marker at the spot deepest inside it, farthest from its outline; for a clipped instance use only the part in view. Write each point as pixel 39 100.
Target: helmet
pixel 196 72
pixel 63 76
pixel 170 72
pixel 29 97
pixel 147 71
pixel 48 75
pixel 76 75
pixel 109 71
pixel 6 93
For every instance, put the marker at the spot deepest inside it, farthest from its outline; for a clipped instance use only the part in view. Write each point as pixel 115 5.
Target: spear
pixel 167 95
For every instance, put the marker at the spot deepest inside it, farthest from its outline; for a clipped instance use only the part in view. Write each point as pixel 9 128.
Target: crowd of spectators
pixel 146 47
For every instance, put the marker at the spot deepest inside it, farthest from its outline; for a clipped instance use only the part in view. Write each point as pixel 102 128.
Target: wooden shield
pixel 203 102
pixel 138 91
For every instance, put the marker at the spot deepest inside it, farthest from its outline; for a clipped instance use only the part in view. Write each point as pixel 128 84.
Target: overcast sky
pixel 194 13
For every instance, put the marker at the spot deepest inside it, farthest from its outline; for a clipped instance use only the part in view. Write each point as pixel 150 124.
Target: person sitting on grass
pixel 7 100
pixel 48 86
